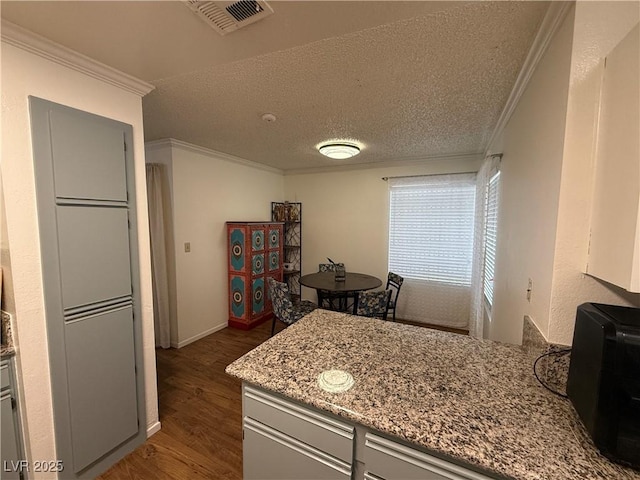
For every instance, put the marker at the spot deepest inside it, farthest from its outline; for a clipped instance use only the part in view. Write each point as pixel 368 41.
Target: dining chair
pixel 374 304
pixel 394 282
pixel 283 308
pixel 330 300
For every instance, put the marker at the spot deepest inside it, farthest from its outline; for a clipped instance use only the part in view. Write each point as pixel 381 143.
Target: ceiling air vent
pixel 226 17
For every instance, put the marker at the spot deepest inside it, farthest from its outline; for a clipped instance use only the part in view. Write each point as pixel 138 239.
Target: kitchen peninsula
pixel 421 401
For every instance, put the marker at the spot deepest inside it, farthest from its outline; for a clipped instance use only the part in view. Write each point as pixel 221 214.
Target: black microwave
pixel 604 378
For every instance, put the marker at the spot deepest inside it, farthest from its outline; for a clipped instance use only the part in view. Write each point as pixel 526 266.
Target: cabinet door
pixel 95 265
pixel 102 384
pixel 257 264
pixel 274 260
pixel 81 171
pixel 258 294
pixel 272 455
pixel 257 238
pixel 275 237
pixel 238 292
pixel 614 246
pixel 237 249
pixel 10 456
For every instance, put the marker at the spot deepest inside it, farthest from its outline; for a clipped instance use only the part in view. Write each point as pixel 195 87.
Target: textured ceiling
pixel 426 86
pixel 159 39
pixel 430 80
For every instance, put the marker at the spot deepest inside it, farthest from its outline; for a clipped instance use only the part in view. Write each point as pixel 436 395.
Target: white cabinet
pixel 614 249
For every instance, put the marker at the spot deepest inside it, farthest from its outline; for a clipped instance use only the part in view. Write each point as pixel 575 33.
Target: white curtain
pixel 476 322
pixel 155 194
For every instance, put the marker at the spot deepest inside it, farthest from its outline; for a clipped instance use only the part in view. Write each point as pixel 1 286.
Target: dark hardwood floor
pixel 200 411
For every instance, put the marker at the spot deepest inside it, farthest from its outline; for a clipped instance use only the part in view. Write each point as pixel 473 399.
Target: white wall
pixel 547 177
pixel 210 189
pixel 532 143
pixel 345 214
pixel 25 74
pixel 599 26
pixel 7 300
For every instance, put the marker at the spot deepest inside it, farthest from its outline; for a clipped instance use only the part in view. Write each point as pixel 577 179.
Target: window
pixel 431 222
pixel 490 234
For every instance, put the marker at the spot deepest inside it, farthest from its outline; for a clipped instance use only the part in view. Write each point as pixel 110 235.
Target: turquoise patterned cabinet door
pixel 274 261
pixel 238 296
pixel 258 301
pixel 257 264
pixel 236 249
pixel 255 251
pixel 274 238
pixel 257 240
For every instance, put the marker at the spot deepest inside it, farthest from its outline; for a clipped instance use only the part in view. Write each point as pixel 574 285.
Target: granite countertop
pixel 475 401
pixel 6 347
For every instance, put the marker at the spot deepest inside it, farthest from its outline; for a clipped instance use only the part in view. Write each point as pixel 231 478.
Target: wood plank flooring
pixel 200 411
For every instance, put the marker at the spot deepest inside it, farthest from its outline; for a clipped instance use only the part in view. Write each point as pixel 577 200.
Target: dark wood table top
pixel 354 282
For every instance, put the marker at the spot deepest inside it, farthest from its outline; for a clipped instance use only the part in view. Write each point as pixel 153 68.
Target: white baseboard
pixel 153 428
pixel 186 342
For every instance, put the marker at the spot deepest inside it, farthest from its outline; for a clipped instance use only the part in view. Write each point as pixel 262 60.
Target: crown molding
pixel 207 152
pixel 38 45
pixel 551 22
pixel 406 162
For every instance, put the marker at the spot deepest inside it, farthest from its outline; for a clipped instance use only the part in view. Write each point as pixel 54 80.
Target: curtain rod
pixel 499 155
pixel 428 175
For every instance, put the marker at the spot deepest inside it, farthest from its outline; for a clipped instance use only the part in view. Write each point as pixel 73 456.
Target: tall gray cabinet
pixel 87 215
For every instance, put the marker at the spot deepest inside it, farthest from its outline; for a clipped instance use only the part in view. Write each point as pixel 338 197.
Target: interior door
pixel 89 250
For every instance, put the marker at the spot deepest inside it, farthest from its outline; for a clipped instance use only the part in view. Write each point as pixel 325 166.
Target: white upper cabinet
pixel 614 251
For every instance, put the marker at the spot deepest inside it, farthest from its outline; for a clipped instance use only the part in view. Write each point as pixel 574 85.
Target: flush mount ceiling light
pixel 339 150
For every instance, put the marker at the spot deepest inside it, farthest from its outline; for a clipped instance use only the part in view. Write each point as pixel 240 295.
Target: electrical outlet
pixel 529 288
pixel 187 247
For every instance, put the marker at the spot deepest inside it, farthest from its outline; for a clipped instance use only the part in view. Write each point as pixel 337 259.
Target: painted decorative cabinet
pixel 255 252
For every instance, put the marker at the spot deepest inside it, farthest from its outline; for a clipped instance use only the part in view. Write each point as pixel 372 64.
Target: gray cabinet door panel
pixel 4 372
pixel 88 157
pixel 312 428
pixel 94 254
pixel 272 455
pixel 10 455
pixel 101 383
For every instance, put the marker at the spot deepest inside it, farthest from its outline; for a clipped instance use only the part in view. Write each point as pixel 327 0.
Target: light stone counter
pixel 474 401
pixel 6 347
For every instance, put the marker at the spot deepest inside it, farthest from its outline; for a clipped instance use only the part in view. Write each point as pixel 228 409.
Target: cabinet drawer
pixel 4 369
pixel 272 455
pixel 389 460
pixel 315 429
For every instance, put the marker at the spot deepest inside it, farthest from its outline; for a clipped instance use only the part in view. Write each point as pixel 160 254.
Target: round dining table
pixel 352 284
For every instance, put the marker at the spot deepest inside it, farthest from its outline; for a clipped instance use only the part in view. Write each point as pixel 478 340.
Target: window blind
pixel 491 235
pixel 431 221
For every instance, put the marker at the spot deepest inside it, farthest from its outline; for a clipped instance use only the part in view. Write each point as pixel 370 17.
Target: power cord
pixel 535 372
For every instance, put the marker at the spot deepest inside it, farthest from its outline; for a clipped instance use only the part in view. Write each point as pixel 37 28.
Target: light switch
pixel 529 288
pixel 187 247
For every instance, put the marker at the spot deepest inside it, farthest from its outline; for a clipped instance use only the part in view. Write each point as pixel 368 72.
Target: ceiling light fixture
pixel 339 151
